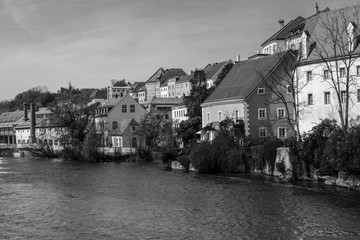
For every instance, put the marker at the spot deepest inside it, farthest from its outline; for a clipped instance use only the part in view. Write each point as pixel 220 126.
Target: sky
pixel 89 42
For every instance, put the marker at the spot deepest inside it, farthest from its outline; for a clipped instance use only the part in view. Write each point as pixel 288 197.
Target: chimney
pixel 281 23
pixel 316 8
pixel 32 123
pixel 237 58
pixel 25 112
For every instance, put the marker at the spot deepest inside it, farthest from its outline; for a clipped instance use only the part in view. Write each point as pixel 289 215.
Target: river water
pixel 43 199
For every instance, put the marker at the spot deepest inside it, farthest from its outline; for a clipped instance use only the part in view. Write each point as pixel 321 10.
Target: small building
pixel 183 86
pixel 8 122
pixel 179 114
pixel 212 72
pixel 164 90
pixel 111 114
pixel 118 88
pixel 162 107
pixel 124 138
pixel 136 90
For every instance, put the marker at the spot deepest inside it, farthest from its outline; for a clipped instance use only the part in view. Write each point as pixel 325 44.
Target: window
pixel 281 132
pixel 343 96
pixel 114 125
pixel 342 72
pixel 310 99
pixel 309 75
pixel 261 113
pixel 220 116
pixel 132 108
pixel 288 89
pixel 134 142
pixel 208 117
pixel 326 74
pixel 262 132
pixel 358 70
pixel 281 112
pixel 358 95
pixel 261 91
pixel 327 97
pixel 124 108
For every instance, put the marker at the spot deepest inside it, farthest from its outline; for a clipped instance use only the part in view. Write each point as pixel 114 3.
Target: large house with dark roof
pixel 212 71
pixel 243 96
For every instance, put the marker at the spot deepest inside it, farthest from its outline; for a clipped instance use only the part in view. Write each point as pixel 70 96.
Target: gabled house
pixel 136 90
pixel 111 114
pixel 124 139
pixel 212 72
pixel 158 78
pixel 243 96
pixel 183 86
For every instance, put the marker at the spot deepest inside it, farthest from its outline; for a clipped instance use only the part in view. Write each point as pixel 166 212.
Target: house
pixel 212 72
pixel 179 114
pixel 110 116
pixel 183 86
pixel 8 122
pixel 141 94
pixel 118 88
pixel 164 90
pixel 243 96
pixel 98 96
pixel 136 90
pixel 124 139
pixel 324 72
pixel 162 107
pixel 158 78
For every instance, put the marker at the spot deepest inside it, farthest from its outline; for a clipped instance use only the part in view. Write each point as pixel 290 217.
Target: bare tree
pixel 285 85
pixel 335 44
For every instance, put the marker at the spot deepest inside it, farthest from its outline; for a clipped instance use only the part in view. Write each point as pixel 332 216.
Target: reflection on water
pixel 68 200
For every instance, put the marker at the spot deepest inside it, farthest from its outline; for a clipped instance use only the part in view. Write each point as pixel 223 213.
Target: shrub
pixel 184 160
pixel 167 157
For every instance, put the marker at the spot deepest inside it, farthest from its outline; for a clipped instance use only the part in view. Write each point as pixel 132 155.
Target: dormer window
pixel 351 32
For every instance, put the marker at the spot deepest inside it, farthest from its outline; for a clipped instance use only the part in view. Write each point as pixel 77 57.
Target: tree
pixel 72 114
pixel 154 131
pixel 335 44
pixel 285 87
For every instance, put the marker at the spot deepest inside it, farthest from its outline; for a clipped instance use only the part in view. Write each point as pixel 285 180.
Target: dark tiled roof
pixel 244 77
pixel 171 73
pixel 314 27
pixel 185 78
pixel 120 83
pixel 138 85
pixel 211 69
pixel 9 117
pixel 155 76
pixel 284 32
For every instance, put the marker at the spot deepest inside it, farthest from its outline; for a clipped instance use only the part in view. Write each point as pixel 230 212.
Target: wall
pixel 116 113
pixel 312 114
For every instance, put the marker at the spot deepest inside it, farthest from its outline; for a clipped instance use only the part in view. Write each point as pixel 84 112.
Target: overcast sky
pixel 90 42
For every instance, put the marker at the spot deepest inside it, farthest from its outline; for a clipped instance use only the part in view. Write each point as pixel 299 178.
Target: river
pixel 43 199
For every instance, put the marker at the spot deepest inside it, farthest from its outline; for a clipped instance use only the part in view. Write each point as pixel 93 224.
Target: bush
pixel 265 154
pixel 184 160
pixel 167 157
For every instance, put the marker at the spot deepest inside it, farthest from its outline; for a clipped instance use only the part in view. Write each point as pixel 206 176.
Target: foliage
pixel 266 153
pixel 184 160
pixel 188 129
pixel 44 150
pixel 89 151
pixel 167 157
pixel 71 112
pixel 313 143
pixel 222 155
pixel 198 94
pixel 39 95
pixel 154 132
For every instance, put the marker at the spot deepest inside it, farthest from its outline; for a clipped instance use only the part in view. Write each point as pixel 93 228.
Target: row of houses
pixel 286 83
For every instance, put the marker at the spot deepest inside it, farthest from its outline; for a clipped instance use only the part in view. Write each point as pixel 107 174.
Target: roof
pixel 284 32
pixel 211 69
pixel 155 76
pixel 171 73
pixel 244 77
pixel 180 105
pixel 138 85
pixel 164 84
pixel 10 117
pixel 42 122
pixel 314 27
pixel 120 83
pixel 98 94
pixel 112 102
pixel 185 78
pixel 165 101
pixel 123 125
